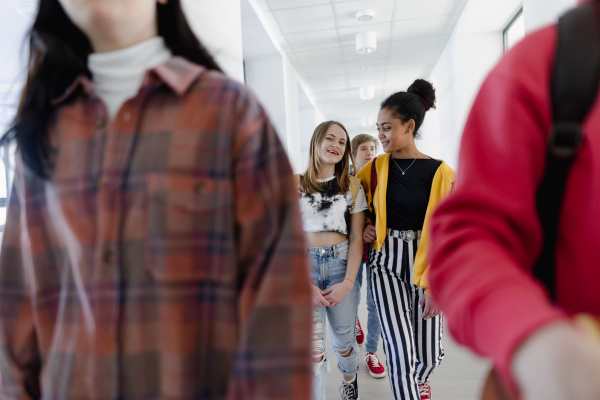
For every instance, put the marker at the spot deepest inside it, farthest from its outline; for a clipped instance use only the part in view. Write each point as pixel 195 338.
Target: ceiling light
pixel 366 42
pixel 364 15
pixel 365 67
pixel 367 92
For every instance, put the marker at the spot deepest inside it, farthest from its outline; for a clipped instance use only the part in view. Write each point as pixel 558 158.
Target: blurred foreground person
pixel 487 237
pixel 153 247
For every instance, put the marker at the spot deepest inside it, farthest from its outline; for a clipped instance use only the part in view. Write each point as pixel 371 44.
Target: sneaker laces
pixel 423 388
pixel 357 330
pixel 372 359
pixel 347 391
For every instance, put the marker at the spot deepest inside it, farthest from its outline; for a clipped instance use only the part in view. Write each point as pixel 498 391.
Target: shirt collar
pixel 177 73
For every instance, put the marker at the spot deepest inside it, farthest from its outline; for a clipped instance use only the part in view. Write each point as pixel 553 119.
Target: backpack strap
pixel 574 88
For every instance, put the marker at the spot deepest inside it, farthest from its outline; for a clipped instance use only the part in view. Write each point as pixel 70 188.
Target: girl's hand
pixel 558 362
pixel 318 299
pixel 369 234
pixel 336 293
pixel 430 308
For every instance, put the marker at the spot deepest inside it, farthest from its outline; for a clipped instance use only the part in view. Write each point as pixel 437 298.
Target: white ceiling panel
pixel 409 9
pixel 346 12
pixel 320 56
pixel 417 28
pixel 350 53
pixel 314 71
pixel 420 60
pixel 371 78
pixel 415 46
pixel 283 4
pixel 374 65
pixel 332 96
pixel 328 82
pixel 315 39
pixel 348 34
pixel 306 19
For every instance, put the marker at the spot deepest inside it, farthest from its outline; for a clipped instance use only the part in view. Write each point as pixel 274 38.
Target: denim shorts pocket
pixel 183 211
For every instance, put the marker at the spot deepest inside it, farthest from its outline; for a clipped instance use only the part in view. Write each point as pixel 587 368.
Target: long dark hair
pixel 58 55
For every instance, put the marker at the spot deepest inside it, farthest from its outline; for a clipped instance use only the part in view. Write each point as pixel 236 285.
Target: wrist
pixel 349 286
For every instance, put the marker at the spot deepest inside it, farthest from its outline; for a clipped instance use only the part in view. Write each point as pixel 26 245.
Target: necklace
pixel 404 170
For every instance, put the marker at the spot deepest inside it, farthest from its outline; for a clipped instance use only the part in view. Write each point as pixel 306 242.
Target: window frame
pixel 507 28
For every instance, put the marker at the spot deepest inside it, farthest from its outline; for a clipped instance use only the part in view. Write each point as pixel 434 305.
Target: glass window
pixel 514 31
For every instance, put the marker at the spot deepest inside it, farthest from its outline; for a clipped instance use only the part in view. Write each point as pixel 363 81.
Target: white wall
pixel 218 25
pixel 543 12
pixel 474 48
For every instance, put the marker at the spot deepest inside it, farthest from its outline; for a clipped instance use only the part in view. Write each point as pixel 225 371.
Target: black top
pixel 408 195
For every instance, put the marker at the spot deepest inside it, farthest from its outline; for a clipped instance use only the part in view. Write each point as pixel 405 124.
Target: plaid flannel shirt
pixel 164 258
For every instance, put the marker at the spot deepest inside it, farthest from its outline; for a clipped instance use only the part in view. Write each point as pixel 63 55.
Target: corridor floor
pixel 459 377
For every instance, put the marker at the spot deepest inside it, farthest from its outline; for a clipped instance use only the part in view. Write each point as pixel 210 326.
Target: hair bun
pixel 425 90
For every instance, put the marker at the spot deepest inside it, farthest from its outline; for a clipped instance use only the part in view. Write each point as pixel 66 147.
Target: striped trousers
pixel 412 345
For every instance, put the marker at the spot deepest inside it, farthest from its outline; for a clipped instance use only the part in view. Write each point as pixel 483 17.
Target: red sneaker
pixel 424 391
pixel 375 368
pixel 360 336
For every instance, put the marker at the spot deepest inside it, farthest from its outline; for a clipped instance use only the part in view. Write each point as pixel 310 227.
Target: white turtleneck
pixel 117 75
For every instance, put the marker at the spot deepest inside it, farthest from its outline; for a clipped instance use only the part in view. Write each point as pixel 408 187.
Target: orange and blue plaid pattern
pixel 164 258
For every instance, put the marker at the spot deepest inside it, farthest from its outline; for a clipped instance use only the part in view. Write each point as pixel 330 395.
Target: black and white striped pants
pixel 413 345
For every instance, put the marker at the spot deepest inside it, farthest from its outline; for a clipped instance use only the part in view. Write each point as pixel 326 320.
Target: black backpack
pixel 574 88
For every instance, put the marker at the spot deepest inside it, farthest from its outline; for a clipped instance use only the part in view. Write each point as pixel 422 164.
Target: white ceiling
pixel 319 38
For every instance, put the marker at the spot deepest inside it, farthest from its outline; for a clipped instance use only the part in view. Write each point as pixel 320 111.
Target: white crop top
pixel 330 210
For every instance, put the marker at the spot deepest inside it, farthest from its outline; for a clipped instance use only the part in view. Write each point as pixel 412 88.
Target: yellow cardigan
pixel 442 183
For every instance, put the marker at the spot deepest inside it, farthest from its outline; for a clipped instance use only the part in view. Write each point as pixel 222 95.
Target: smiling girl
pixel 332 205
pixel 408 188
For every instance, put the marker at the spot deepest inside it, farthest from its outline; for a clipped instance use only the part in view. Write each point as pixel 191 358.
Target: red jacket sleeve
pixel 487 236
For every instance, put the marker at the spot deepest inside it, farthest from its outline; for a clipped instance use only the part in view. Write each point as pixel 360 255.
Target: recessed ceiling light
pixel 364 15
pixel 367 92
pixel 366 42
pixel 365 67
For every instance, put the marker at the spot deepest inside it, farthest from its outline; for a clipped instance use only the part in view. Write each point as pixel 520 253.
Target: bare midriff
pixel 324 239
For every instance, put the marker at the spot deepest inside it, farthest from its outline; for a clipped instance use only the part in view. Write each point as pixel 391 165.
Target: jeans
pixel 373 324
pixel 328 268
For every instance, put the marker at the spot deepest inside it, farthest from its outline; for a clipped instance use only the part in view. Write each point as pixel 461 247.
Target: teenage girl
pixel 364 149
pixel 409 186
pixel 332 205
pixel 153 247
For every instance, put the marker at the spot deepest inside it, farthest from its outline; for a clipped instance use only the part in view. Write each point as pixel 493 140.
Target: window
pixel 514 31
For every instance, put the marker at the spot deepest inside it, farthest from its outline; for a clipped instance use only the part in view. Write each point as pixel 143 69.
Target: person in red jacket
pixel 487 236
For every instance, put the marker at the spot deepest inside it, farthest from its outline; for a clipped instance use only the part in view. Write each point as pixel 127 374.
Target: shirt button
pixel 322 251
pixel 109 256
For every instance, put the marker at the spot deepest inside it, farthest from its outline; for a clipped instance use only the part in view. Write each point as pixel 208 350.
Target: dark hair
pixel 412 104
pixel 58 55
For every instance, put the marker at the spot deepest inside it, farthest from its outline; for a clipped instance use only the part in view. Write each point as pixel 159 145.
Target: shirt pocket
pixel 187 217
